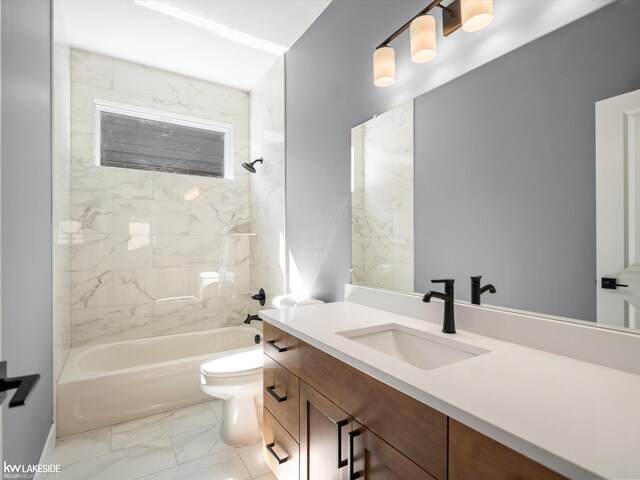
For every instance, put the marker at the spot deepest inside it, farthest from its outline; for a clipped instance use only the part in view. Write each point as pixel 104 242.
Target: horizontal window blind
pixel 132 142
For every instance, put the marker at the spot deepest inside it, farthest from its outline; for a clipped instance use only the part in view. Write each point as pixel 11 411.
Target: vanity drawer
pixel 282 347
pixel 280 450
pixel 282 395
pixel 414 429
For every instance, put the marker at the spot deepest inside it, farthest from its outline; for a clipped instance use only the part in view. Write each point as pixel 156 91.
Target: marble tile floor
pixel 182 444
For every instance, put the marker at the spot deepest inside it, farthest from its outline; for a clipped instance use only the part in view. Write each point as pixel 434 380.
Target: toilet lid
pixel 239 363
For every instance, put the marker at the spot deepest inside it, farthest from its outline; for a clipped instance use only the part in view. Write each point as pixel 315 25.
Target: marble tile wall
pixel 382 200
pixel 267 207
pixel 61 201
pixel 155 253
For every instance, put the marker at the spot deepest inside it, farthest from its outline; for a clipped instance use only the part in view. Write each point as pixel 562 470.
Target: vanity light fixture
pixel 422 31
pixel 384 66
pixel 476 14
pixel 471 15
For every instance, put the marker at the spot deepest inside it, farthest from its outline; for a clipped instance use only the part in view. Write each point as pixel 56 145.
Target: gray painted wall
pixel 329 90
pixel 505 166
pixel 523 218
pixel 26 220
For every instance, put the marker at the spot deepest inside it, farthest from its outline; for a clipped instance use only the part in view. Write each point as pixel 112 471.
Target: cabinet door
pixel 472 456
pixel 417 431
pixel 323 437
pixel 374 459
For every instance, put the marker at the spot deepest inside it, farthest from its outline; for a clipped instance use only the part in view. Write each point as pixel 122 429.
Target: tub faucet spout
pixel 250 318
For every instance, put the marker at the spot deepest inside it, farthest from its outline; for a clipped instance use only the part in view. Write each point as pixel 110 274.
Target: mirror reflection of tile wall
pixel 382 200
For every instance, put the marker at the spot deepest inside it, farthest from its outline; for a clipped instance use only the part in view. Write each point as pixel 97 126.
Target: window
pixel 134 137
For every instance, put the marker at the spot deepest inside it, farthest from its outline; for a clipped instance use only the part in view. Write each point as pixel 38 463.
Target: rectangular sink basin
pixel 420 349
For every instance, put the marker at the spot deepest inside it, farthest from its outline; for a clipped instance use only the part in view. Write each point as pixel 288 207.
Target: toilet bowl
pixel 236 378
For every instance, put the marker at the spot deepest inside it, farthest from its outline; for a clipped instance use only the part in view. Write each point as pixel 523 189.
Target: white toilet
pixel 236 378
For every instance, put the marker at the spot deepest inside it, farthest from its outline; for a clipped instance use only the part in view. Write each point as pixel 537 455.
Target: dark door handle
pixel 272 344
pixel 342 462
pixel 611 283
pixel 275 455
pixel 24 386
pixel 352 473
pixel 275 395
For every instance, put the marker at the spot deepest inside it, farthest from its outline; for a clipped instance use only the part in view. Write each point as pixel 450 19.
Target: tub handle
pixel 275 455
pixel 272 344
pixel 275 395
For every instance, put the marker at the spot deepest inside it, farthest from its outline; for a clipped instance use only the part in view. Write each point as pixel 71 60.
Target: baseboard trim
pixel 49 445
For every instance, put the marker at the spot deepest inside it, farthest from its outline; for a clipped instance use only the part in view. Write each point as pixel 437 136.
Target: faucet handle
pixel 447 281
pixel 448 284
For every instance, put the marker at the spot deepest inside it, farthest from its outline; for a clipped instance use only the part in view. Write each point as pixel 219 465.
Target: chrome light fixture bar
pixel 470 15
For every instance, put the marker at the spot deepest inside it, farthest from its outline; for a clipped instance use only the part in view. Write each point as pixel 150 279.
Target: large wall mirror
pixel 523 171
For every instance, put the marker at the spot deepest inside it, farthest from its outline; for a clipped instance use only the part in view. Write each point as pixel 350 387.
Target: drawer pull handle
pixel 342 462
pixel 275 395
pixel 275 455
pixel 352 474
pixel 272 344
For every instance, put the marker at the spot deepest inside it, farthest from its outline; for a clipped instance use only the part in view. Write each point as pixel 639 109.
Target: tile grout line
pixel 243 462
pixel 173 448
pixel 167 415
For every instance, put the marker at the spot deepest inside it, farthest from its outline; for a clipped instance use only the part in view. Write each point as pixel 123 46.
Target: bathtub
pixel 101 385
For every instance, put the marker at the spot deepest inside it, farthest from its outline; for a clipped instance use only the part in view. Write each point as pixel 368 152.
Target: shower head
pixel 250 166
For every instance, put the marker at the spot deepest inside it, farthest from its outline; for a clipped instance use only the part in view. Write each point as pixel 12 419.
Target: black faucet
pixel 477 290
pixel 449 324
pixel 250 318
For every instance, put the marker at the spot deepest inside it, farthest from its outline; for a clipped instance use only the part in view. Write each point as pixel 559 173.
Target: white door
pixel 618 209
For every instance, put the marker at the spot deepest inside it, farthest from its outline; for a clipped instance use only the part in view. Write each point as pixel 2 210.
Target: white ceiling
pixel 126 30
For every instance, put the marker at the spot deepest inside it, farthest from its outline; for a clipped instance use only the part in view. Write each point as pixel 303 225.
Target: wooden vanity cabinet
pixel 409 426
pixel 280 450
pixel 282 347
pixel 375 459
pixel 326 420
pixel 473 456
pixel 334 446
pixel 281 393
pixel 324 437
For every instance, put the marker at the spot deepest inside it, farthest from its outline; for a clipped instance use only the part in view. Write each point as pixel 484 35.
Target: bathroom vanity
pixel 315 437
pixel 340 402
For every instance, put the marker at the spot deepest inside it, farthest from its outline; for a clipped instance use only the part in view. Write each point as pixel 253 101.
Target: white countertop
pixel 578 418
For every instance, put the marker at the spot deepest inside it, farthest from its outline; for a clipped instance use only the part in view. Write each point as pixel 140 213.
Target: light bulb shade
pixel 384 67
pixel 476 14
pixel 423 39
